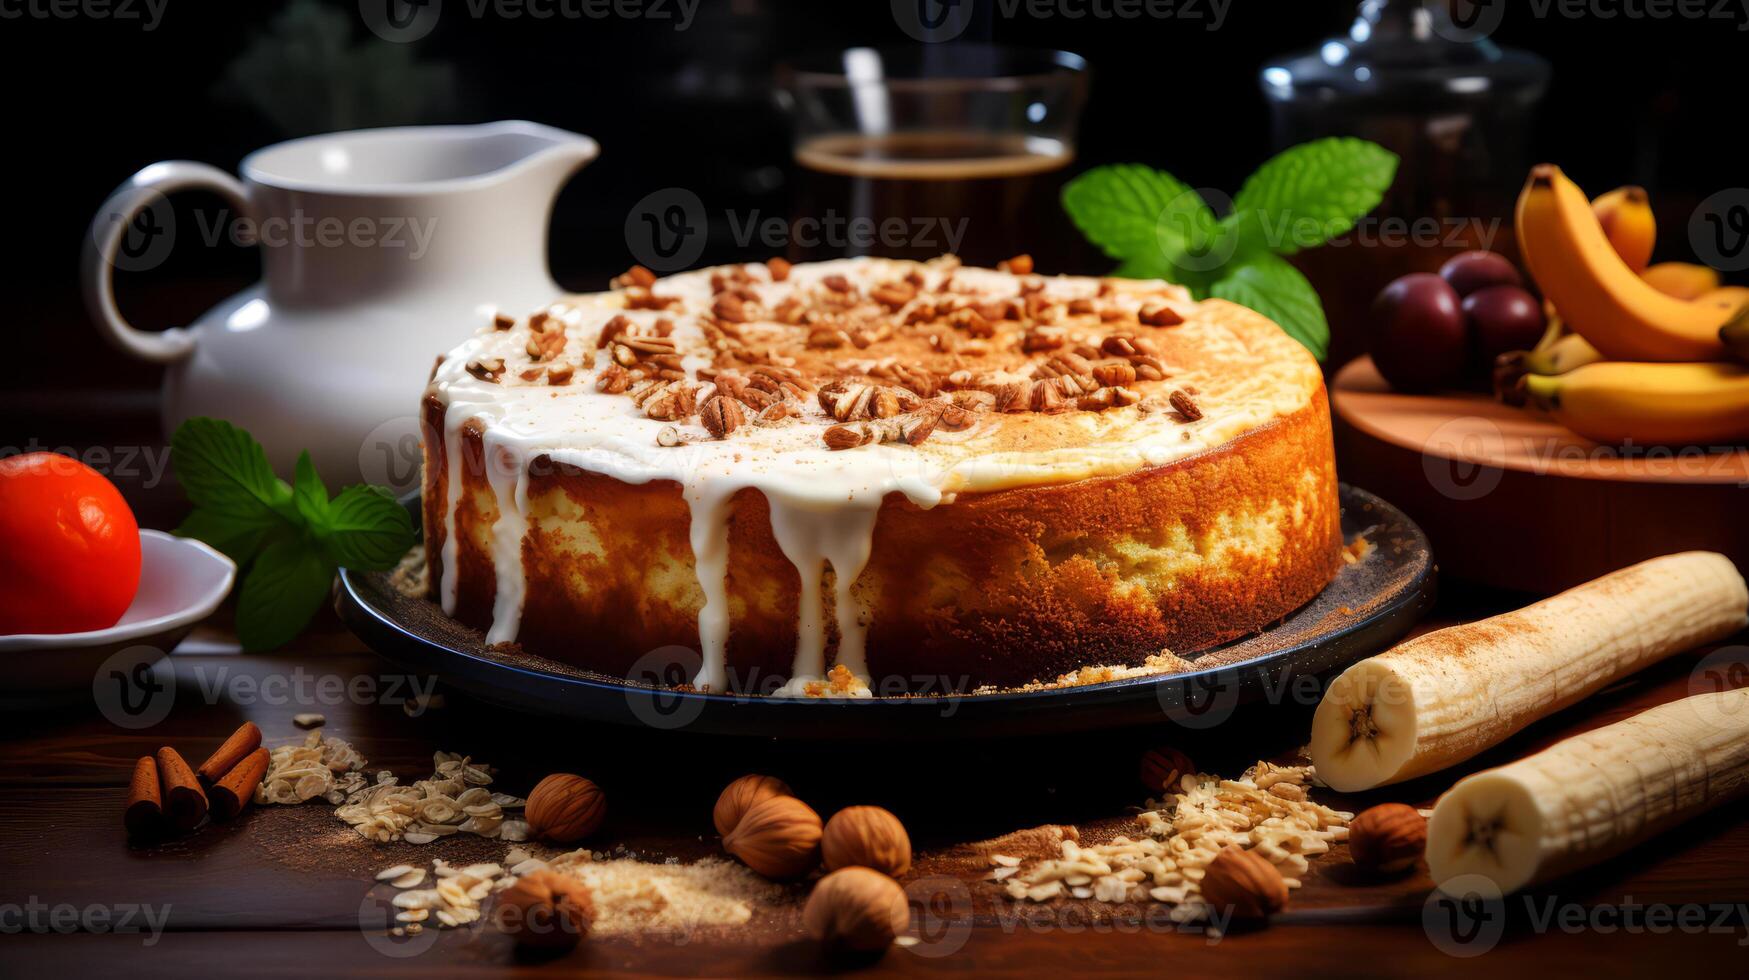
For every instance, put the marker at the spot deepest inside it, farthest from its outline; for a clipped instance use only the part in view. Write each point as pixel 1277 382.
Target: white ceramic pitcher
pixel 381 249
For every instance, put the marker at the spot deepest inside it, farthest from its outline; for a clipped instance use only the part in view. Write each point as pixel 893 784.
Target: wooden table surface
pixel 288 891
pixel 280 892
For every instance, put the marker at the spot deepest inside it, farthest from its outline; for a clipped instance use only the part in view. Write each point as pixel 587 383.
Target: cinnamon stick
pixel 232 793
pixel 184 801
pixel 145 812
pixel 242 742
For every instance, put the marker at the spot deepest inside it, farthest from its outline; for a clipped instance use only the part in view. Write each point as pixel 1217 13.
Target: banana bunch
pixel 1638 352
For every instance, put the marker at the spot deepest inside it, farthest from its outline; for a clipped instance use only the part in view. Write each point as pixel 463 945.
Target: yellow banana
pixel 1558 356
pixel 1565 354
pixel 1601 298
pixel 1683 280
pixel 1626 217
pixel 1556 327
pixel 1657 404
pixel 1736 338
pixel 1730 294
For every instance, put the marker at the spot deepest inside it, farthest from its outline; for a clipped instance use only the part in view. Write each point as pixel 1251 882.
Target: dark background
pixel 91 100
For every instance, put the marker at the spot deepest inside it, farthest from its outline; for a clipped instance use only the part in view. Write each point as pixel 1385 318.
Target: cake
pixel 872 476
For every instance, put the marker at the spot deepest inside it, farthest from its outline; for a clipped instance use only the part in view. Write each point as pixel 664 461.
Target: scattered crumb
pixel 1357 550
pixel 1164 662
pixel 412 577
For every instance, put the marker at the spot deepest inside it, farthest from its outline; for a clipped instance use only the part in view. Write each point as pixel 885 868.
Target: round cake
pixel 871 476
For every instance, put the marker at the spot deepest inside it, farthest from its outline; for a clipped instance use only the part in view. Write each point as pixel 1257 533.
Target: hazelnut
pixel 740 796
pixel 856 909
pixel 545 909
pixel 1389 837
pixel 868 836
pixel 778 837
pixel 1243 882
pixel 1161 768
pixel 565 808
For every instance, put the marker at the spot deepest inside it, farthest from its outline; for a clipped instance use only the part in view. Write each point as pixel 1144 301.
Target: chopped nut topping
pixel 1158 314
pixel 1184 406
pixel 721 415
pixel 643 299
pixel 487 369
pixel 889 358
pixel 847 436
pixel 828 339
pixel 613 380
pixel 1113 375
pixel 611 330
pixel 730 307
pixel 637 276
pixel 893 295
pixel 973 322
pixel 503 321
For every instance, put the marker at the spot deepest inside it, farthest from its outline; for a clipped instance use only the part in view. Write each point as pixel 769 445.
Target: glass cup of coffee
pixel 916 152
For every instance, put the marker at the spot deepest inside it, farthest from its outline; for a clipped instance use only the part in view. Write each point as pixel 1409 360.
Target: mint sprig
pixel 288 537
pixel 1158 227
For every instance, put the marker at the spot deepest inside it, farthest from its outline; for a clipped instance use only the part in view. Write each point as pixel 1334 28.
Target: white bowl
pixel 181 582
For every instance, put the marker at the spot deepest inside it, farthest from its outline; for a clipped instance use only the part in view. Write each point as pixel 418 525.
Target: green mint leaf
pixel 237 537
pixel 1311 193
pixel 1155 266
pixel 366 529
pixel 223 469
pixel 283 589
pixel 309 494
pixel 1134 212
pixel 1276 289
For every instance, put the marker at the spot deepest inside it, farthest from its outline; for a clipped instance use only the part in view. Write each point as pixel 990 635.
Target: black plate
pixel 1371 604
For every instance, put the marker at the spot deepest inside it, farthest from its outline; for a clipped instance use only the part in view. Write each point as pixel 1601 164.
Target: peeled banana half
pixel 1445 696
pixel 1594 795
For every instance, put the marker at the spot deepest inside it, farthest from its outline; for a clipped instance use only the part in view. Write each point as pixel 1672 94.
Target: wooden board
pixel 1513 500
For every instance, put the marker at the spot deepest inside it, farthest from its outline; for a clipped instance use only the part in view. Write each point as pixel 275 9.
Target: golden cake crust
pixel 998 588
pixel 1073 548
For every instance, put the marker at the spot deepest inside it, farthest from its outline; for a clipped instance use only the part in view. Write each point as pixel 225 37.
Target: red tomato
pixel 69 547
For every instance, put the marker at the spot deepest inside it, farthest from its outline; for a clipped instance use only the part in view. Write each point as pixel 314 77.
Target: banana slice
pixel 1594 795
pixel 1445 696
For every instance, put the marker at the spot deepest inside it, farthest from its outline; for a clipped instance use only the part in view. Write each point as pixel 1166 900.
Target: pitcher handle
pixel 104 250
